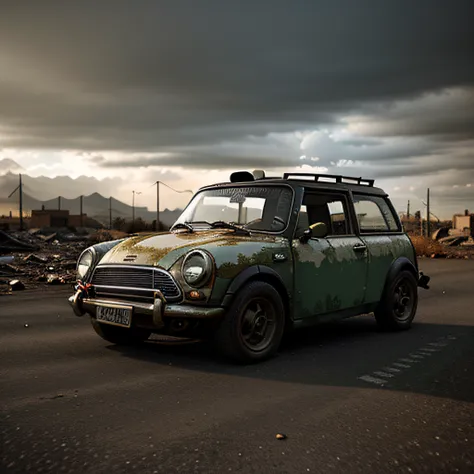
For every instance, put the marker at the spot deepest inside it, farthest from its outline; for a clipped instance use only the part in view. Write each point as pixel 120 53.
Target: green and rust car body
pixel 318 279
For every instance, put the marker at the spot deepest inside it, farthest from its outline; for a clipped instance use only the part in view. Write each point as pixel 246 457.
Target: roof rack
pixel 336 178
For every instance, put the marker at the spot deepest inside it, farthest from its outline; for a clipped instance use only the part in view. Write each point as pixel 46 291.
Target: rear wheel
pixel 253 326
pixel 120 336
pixel 398 306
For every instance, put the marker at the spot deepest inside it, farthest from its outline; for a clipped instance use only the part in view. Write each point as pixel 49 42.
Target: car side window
pixel 329 209
pixel 374 214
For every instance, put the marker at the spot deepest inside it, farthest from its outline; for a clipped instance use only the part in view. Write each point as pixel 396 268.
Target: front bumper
pixel 156 312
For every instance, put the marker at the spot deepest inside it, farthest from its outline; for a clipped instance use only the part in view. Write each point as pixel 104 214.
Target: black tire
pixel 399 302
pixel 253 327
pixel 120 336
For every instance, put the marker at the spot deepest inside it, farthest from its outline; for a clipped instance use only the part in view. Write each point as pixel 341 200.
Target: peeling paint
pixel 383 251
pixel 165 249
pixel 329 275
pixel 305 253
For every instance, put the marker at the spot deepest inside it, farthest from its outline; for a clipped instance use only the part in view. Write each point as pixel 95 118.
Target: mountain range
pixel 95 205
pixel 10 166
pixel 44 188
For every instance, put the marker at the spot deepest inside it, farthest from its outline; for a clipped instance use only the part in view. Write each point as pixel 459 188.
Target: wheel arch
pixel 399 265
pixel 259 273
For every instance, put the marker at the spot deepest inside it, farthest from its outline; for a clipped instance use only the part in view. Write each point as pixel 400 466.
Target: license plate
pixel 116 315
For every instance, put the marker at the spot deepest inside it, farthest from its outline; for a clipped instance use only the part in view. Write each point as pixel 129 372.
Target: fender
pixel 397 266
pixel 249 273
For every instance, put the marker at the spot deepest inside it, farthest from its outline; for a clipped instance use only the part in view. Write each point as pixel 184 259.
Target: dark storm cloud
pixel 447 115
pixel 149 75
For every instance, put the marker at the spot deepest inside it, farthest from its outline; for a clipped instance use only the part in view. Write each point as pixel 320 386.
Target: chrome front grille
pixel 132 282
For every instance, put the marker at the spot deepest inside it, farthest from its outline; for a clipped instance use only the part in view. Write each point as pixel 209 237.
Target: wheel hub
pixel 402 301
pixel 257 327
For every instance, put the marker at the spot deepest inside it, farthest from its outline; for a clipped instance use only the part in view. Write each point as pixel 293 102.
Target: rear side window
pixel 374 214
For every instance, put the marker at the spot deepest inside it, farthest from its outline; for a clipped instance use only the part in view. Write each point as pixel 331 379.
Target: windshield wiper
pixel 228 225
pixel 213 225
pixel 183 225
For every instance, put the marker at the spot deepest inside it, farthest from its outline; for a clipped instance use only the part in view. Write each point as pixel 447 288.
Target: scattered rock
pixel 35 259
pixel 281 436
pixel 54 279
pixel 16 285
pixel 454 240
pixel 47 238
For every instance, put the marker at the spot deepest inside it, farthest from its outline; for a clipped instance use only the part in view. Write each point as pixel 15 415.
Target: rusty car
pixel 251 259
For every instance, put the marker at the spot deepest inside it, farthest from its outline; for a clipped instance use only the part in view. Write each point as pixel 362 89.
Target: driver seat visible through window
pixel 328 209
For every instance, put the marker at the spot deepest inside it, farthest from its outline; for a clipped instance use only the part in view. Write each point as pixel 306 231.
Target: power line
pixel 157 184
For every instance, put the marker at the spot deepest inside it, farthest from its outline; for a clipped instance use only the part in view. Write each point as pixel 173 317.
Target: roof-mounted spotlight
pixel 258 174
pixel 240 176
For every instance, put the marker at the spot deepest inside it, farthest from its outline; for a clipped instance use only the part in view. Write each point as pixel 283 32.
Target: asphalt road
pixel 348 397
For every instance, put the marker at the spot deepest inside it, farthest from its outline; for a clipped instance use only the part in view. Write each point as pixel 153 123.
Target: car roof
pixel 308 180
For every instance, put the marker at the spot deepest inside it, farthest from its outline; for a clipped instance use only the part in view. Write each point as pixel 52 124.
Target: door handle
pixel 359 248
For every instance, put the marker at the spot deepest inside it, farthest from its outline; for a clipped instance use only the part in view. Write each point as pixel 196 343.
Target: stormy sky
pixel 186 91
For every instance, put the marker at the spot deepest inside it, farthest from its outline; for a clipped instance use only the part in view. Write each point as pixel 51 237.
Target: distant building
pixel 9 223
pixel 49 218
pixel 57 218
pixel 464 223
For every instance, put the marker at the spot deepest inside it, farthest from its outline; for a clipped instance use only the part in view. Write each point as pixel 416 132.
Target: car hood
pixel 163 250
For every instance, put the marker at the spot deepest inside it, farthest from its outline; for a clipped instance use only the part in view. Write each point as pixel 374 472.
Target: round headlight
pixel 197 268
pixel 84 263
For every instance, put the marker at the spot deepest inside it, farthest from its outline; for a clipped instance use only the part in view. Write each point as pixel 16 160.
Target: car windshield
pixel 259 208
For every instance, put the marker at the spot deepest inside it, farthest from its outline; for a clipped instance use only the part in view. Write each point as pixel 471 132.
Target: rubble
pixel 452 247
pixel 35 259
pixel 16 285
pixel 10 243
pixel 39 257
pixel 440 233
pixel 454 240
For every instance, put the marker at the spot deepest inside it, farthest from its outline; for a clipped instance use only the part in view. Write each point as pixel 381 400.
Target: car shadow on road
pixel 338 354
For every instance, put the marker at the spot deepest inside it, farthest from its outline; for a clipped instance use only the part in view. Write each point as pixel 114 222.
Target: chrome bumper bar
pixel 157 310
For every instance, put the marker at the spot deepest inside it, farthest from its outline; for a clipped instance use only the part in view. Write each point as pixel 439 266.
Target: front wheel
pixel 118 335
pixel 398 306
pixel 253 326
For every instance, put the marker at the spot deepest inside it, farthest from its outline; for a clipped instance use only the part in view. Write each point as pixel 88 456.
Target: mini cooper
pixel 251 259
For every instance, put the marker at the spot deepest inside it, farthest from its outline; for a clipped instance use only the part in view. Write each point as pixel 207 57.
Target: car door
pixel 381 232
pixel 329 273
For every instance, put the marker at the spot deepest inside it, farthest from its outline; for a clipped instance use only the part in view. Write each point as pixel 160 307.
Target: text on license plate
pixel 114 315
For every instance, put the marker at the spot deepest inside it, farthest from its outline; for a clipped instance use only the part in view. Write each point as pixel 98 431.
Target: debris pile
pixel 452 246
pixel 39 257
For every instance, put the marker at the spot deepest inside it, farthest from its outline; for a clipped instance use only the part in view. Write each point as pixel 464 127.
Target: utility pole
pixel 110 212
pixel 21 203
pixel 157 184
pixel 428 230
pixel 157 206
pixel 81 210
pixel 408 210
pixel 133 205
pixel 19 188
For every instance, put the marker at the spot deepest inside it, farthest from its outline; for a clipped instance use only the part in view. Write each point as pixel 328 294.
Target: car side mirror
pixel 318 230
